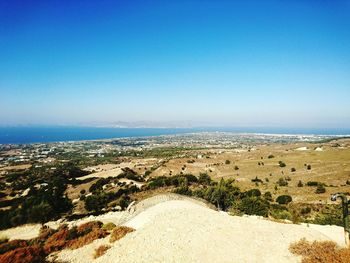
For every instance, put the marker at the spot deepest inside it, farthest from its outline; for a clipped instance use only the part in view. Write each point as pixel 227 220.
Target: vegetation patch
pixel 120 232
pixel 101 250
pixel 320 252
pixel 50 240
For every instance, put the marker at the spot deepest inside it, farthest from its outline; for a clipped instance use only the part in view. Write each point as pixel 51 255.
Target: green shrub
pixel 308 167
pixel 284 199
pixel 324 219
pixel 292 169
pixel 227 162
pixel 305 210
pixel 183 190
pixel 281 164
pixel 320 189
pixel 204 179
pixel 254 206
pixel 268 196
pixel 312 183
pixel 270 156
pixel 108 226
pixel 236 167
pixel 253 192
pixel 281 214
pixel 300 184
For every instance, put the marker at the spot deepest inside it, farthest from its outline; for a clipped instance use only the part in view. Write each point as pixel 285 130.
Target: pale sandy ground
pixel 103 174
pixel 172 228
pixel 187 231
pixel 22 232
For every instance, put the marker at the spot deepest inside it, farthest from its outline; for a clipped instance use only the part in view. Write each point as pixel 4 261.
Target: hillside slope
pixel 187 231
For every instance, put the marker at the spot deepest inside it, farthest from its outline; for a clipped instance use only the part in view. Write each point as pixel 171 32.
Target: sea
pixel 44 134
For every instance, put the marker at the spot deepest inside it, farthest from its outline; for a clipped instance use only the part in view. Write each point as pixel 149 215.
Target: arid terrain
pixel 183 199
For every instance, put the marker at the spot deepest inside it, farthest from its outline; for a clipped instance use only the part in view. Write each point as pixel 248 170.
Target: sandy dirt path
pixel 185 231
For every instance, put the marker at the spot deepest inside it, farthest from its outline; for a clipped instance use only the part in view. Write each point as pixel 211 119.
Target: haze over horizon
pixel 197 63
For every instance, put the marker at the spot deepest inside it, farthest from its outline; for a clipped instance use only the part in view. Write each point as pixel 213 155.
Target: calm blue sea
pixel 24 135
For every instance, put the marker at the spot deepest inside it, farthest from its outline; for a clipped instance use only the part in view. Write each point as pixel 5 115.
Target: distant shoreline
pixel 51 134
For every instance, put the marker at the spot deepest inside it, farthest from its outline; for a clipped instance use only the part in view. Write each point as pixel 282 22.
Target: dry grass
pixel 96 233
pixel 101 250
pixel 320 252
pixel 120 232
pixel 331 166
pixel 108 226
pixel 57 241
pixel 28 254
pixel 12 245
pixel 83 235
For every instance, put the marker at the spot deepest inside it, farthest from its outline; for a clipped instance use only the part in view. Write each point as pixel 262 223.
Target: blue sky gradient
pixel 203 63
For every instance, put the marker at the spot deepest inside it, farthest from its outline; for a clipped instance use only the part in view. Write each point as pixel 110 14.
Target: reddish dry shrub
pixel 101 250
pixel 96 233
pixel 11 245
pixel 320 252
pixel 120 232
pixel 28 254
pixel 57 241
pixel 87 227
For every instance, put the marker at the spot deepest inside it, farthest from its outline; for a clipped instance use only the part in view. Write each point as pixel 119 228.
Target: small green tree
pixel 284 199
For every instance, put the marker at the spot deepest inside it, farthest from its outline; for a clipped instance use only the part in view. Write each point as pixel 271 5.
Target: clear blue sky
pixel 224 63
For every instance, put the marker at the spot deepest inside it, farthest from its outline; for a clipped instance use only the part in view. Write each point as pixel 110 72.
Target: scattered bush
pixel 308 167
pixel 312 183
pixel 94 234
pixel 256 180
pixel 227 162
pixel 305 210
pixel 253 192
pixel 28 254
pixel 284 199
pixel 236 167
pixel 320 251
pixel 300 184
pixel 11 245
pixel 120 232
pixel 98 186
pixel 282 182
pixel 101 250
pixel 108 226
pixel 320 189
pixel 282 214
pixel 57 241
pixel 281 164
pixel 270 156
pixel 292 169
pixel 254 206
pixel 268 196
pixel 204 179
pixel 130 174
